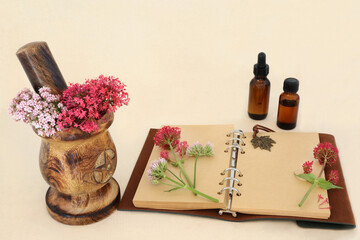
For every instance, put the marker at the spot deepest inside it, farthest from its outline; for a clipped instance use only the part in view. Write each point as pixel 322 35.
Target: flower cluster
pixel 199 150
pixel 39 110
pixel 88 102
pixel 157 170
pixel 181 148
pixel 326 152
pixel 167 137
pixel 307 166
pixel 333 176
pixel 165 155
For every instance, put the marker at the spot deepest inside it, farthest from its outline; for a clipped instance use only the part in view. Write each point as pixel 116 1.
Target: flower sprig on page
pixel 168 139
pixel 326 154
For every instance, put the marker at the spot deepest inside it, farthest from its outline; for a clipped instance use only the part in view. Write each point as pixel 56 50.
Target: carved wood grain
pixel 70 166
pixel 83 209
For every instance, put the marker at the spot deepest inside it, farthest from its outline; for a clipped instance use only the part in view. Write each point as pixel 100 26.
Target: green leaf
pixel 308 177
pixel 327 185
pixel 173 189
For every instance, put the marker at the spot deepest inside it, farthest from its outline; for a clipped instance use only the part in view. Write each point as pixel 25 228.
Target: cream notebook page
pixel 208 175
pixel 268 183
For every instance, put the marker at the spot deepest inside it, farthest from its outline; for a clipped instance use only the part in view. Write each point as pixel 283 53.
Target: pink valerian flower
pixel 209 149
pixel 39 110
pixel 333 177
pixel 46 95
pixel 165 155
pixel 326 151
pixel 198 149
pixel 195 149
pixel 181 148
pixel 86 103
pixel 157 170
pixel 167 136
pixel 307 166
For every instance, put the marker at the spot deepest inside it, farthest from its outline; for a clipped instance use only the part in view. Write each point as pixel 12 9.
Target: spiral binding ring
pixel 234 146
pixel 237 132
pixel 234 214
pixel 230 178
pixel 238 139
pixel 230 188
pixel 234 136
pixel 229 169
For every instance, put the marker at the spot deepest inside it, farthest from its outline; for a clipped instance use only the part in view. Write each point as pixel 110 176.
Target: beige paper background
pixel 185 62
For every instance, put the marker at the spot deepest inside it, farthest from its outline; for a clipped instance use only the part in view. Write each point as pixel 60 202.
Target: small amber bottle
pixel 259 91
pixel 288 105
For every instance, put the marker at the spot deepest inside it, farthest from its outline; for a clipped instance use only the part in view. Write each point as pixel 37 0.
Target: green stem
pixel 323 168
pixel 172 162
pixel 201 194
pixel 176 176
pixel 181 167
pixel 168 184
pixel 173 151
pixel 197 156
pixel 308 192
pixel 314 184
pixel 174 181
pixel 181 159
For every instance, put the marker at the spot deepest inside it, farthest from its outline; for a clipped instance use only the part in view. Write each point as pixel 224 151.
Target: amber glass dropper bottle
pixel 259 91
pixel 288 104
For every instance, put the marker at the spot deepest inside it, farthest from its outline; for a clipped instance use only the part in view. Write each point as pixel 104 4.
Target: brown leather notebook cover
pixel 341 213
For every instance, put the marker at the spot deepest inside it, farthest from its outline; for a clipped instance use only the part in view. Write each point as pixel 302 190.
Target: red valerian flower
pixel 326 152
pixel 88 102
pixel 167 136
pixel 320 197
pixel 307 166
pixel 165 155
pixel 181 148
pixel 333 177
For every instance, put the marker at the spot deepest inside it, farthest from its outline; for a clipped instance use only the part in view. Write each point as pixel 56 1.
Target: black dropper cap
pixel 261 69
pixel 291 85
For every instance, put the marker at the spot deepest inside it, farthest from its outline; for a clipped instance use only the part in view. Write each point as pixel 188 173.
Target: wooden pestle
pixel 40 67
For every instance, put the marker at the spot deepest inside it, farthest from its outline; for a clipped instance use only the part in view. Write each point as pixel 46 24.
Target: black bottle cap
pixel 261 69
pixel 291 85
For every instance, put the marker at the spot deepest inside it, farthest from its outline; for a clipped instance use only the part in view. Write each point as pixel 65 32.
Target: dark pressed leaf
pixel 263 142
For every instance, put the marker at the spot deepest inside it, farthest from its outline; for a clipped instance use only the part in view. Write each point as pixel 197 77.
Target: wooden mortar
pixel 78 166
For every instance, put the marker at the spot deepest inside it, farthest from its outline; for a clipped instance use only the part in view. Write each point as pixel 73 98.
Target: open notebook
pixel 268 185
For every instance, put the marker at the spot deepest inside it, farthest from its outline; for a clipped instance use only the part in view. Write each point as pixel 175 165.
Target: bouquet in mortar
pixel 168 139
pixel 79 106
